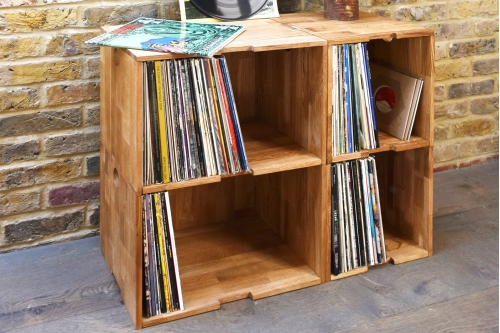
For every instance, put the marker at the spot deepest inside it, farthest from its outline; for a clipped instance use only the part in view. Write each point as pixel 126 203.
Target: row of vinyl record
pixel 162 291
pixel 357 230
pixel 353 118
pixel 191 126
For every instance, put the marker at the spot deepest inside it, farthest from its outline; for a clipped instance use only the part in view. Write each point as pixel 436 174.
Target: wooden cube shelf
pixel 266 232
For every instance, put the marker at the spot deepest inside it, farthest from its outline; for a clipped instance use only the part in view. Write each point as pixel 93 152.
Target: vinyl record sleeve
pixel 393 113
pixel 416 98
pixel 168 36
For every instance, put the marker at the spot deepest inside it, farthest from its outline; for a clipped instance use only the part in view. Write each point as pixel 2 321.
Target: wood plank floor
pixel 67 287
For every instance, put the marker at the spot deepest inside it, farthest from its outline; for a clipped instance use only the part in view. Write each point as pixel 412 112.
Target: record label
pixel 385 99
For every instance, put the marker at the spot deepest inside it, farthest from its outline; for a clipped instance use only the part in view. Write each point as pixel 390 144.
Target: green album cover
pixel 202 39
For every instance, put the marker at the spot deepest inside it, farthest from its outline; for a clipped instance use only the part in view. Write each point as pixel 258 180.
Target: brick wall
pixel 49 101
pixel 49 115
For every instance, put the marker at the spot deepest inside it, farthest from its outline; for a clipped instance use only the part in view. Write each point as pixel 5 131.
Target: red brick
pixel 73 194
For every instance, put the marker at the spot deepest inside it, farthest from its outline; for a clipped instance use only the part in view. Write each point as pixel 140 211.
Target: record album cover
pixel 396 96
pixel 202 39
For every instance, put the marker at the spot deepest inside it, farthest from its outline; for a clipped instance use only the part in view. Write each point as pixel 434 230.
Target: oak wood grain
pixel 121 173
pixel 280 71
pixel 224 262
pixel 353 272
pixel 269 150
pixel 362 30
pixel 291 90
pixel 405 182
pixel 177 185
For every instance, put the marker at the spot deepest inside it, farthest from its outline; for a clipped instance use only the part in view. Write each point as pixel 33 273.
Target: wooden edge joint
pixel 392 36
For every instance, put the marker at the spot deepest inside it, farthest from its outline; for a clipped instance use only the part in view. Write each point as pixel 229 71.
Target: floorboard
pixel 476 312
pixel 67 287
pixel 51 282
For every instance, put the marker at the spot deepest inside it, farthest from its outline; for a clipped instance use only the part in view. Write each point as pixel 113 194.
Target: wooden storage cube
pixel 282 117
pixel 258 235
pixel 278 79
pixel 400 45
pixel 297 207
pixel 405 182
pixel 404 167
pixel 224 237
pixel 247 236
pixel 280 99
pixel 411 55
pixel 415 56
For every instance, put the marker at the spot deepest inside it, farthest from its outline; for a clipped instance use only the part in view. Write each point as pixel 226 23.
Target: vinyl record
pixel 385 99
pixel 229 10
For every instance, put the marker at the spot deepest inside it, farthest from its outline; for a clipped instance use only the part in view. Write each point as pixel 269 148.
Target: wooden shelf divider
pixel 269 150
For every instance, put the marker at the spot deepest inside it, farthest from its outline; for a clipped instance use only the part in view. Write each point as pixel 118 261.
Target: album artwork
pixel 396 97
pixel 202 39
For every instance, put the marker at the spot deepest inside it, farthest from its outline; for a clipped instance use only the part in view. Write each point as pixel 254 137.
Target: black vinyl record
pixel 229 10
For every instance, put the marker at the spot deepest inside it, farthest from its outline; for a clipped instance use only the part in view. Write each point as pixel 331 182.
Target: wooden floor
pixel 68 288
